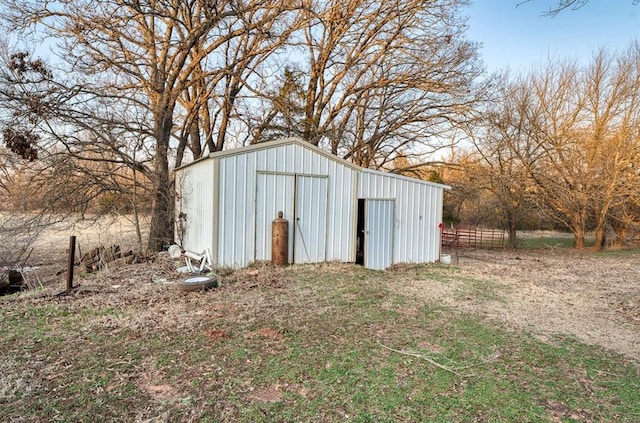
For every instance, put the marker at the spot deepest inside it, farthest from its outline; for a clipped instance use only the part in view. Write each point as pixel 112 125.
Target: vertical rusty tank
pixel 280 240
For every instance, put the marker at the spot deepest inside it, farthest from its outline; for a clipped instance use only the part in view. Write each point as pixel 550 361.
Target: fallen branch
pixel 452 370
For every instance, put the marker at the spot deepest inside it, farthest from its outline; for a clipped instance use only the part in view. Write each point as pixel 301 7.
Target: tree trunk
pixel 227 109
pixel 601 238
pixel 194 138
pixel 312 100
pixel 601 228
pixel 577 226
pixel 578 238
pixel 161 229
pixel 513 239
pixel 136 214
pixel 182 145
pixel 621 236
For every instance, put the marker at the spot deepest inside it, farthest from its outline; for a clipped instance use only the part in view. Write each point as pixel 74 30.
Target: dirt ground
pixel 594 297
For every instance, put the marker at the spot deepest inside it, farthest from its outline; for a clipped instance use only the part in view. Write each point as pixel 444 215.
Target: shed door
pixel 311 219
pixel 378 249
pixel 274 193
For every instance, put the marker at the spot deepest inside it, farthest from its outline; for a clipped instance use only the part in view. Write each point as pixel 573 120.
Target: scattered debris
pixel 199 283
pixel 454 370
pixel 215 335
pixel 99 257
pixel 19 277
pixel 10 281
pixel 198 262
pixel 174 251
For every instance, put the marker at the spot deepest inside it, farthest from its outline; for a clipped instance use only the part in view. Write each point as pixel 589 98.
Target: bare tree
pixel 564 5
pixel 210 103
pixel 7 171
pixel 16 231
pixel 137 59
pixel 136 79
pixel 382 78
pixel 497 167
pixel 575 130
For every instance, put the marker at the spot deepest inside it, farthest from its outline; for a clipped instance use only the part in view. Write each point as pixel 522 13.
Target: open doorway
pixel 360 232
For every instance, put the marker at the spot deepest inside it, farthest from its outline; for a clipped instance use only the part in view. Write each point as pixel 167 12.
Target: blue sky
pixel 519 37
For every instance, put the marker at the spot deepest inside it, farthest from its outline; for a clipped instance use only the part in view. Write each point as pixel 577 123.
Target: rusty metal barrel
pixel 280 240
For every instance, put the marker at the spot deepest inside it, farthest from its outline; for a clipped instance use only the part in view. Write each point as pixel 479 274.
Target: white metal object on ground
pixel 203 260
pixel 174 251
pixel 197 283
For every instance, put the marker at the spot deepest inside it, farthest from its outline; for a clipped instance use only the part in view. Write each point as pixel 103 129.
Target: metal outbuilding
pixel 227 201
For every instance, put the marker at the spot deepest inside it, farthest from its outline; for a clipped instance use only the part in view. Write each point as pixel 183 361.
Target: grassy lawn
pixel 558 240
pixel 307 343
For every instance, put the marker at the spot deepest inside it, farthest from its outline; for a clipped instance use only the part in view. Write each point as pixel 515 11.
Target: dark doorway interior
pixel 360 233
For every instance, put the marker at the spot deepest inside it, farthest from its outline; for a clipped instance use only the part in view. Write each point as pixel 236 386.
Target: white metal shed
pixel 401 219
pixel 336 210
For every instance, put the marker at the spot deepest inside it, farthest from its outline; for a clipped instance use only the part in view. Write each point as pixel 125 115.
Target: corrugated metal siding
pixel 274 193
pixel 379 234
pixel 310 219
pixel 237 200
pixel 341 212
pixel 196 201
pixel 236 226
pixel 418 213
pixel 228 212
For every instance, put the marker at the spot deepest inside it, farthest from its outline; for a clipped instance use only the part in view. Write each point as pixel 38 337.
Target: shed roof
pixel 316 149
pixel 271 144
pixel 406 178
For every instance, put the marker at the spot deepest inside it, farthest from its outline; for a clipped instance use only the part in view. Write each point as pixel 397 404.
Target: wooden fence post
pixel 71 262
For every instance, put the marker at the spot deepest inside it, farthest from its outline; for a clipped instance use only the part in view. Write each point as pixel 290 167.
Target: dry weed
pixel 592 297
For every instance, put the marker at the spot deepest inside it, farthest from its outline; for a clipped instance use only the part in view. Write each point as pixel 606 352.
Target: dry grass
pixel 50 248
pixel 594 297
pixel 332 342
